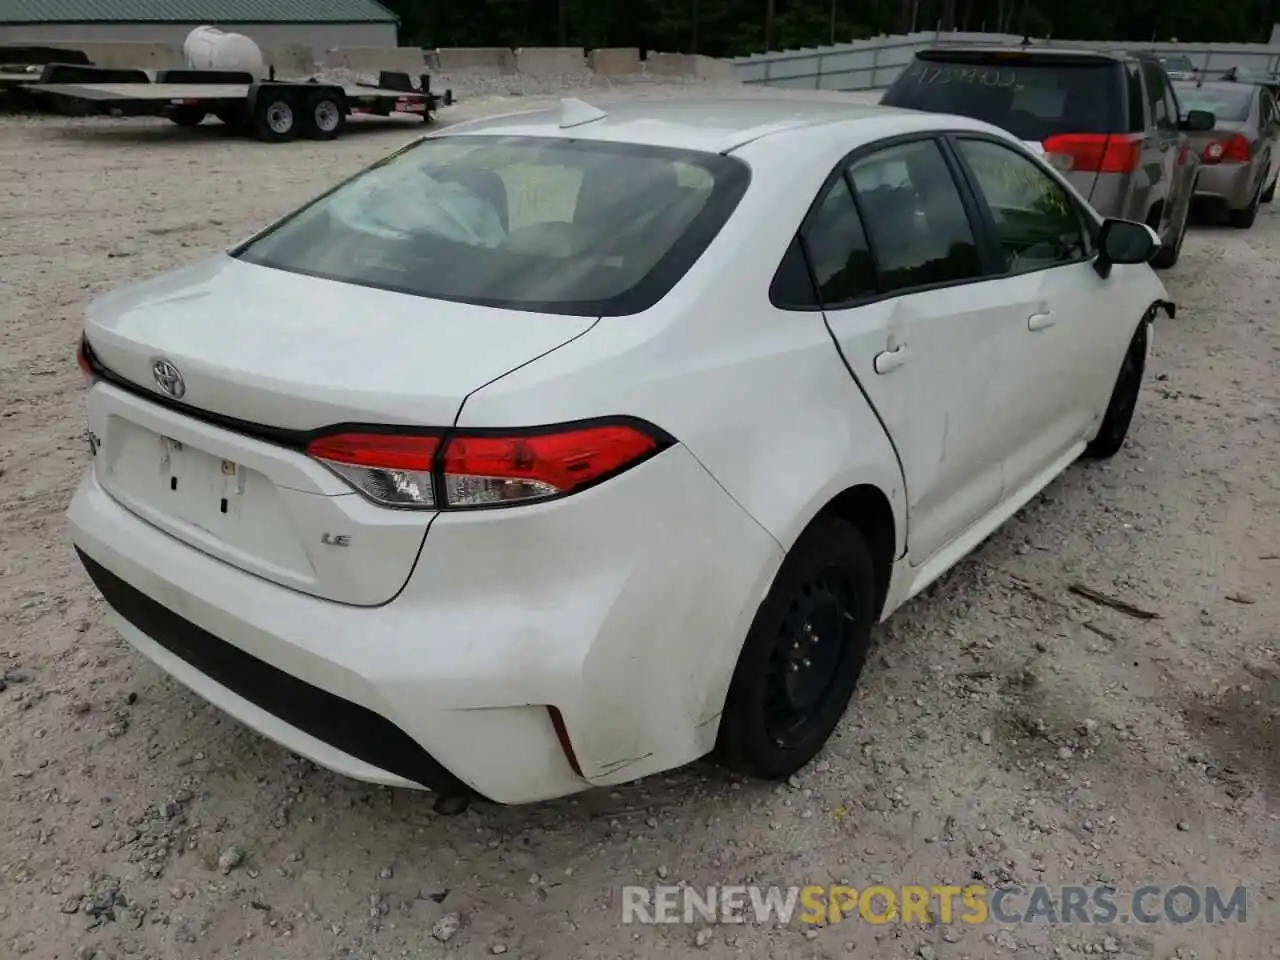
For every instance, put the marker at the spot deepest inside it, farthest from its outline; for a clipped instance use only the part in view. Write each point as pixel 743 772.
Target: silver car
pixel 1239 157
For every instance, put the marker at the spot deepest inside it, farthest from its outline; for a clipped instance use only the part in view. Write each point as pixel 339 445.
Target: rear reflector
pixel 1095 152
pixel 490 468
pixel 82 360
pixel 562 734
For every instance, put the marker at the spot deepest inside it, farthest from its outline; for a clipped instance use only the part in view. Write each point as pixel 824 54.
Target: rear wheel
pixel 1169 252
pixel 1269 194
pixel 803 654
pixel 326 116
pixel 188 116
pixel 1244 219
pixel 231 117
pixel 275 117
pixel 1124 400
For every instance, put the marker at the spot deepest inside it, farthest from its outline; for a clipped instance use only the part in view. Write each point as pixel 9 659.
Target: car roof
pixel 1030 52
pixel 707 123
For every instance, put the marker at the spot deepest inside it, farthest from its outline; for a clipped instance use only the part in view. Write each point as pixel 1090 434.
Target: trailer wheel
pixel 326 116
pixel 188 116
pixel 231 117
pixel 275 117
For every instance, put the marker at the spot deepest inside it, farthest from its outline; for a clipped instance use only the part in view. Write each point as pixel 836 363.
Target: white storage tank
pixel 208 48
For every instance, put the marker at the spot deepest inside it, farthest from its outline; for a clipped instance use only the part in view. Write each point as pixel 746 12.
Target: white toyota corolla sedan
pixel 563 448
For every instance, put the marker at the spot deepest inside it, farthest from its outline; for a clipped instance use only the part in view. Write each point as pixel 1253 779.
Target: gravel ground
pixel 1007 729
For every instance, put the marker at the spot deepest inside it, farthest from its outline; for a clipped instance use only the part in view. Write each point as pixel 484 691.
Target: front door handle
pixel 890 360
pixel 1041 321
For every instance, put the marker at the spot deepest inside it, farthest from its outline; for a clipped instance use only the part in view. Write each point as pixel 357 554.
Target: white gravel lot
pixel 1007 729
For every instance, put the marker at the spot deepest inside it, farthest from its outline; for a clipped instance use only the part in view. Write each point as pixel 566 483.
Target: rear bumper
pixel 347 736
pixel 1228 183
pixel 624 607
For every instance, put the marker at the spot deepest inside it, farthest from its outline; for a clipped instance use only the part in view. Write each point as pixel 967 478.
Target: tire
pixel 1269 194
pixel 778 715
pixel 188 116
pixel 325 116
pixel 275 117
pixel 1244 219
pixel 1168 254
pixel 231 117
pixel 1124 400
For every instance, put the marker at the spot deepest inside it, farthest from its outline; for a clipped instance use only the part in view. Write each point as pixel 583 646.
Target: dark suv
pixel 1109 120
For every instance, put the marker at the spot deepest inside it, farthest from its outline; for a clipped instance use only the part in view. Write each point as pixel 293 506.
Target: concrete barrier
pixel 550 59
pixel 300 60
pixel 125 54
pixel 497 59
pixel 688 65
pixel 614 61
pixel 291 59
pixel 373 59
pixel 713 69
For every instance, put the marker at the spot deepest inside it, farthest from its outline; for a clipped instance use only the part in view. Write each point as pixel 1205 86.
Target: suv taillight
pixel 1234 149
pixel 1095 152
pixel 485 468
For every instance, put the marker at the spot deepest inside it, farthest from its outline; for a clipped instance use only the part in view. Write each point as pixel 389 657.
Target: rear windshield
pixel 1230 103
pixel 542 224
pixel 1032 99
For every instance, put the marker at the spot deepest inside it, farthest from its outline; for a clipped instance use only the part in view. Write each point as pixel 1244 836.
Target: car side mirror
pixel 1124 241
pixel 1198 121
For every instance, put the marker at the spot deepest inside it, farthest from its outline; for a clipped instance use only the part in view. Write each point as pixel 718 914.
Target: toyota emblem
pixel 168 378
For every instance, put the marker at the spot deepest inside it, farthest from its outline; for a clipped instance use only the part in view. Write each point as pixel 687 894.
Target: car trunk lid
pixel 266 358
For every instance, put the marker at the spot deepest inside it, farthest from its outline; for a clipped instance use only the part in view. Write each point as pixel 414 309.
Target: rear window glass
pixel 1032 100
pixel 1226 103
pixel 542 224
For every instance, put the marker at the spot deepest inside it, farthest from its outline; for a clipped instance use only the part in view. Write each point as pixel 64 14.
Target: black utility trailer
pixel 272 110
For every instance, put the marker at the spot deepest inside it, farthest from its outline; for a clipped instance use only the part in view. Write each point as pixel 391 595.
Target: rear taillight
pixel 82 360
pixel 1234 149
pixel 392 469
pixel 486 468
pixel 1095 152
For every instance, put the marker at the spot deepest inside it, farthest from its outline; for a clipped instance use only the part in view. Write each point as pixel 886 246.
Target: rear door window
pixel 1033 97
pixel 838 250
pixel 1157 98
pixel 1269 112
pixel 1138 113
pixel 916 221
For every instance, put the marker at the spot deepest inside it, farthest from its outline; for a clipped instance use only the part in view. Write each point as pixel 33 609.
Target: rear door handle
pixel 891 360
pixel 1041 321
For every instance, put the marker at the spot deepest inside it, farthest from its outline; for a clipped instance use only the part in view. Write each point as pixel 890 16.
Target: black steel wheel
pixel 1124 400
pixel 803 655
